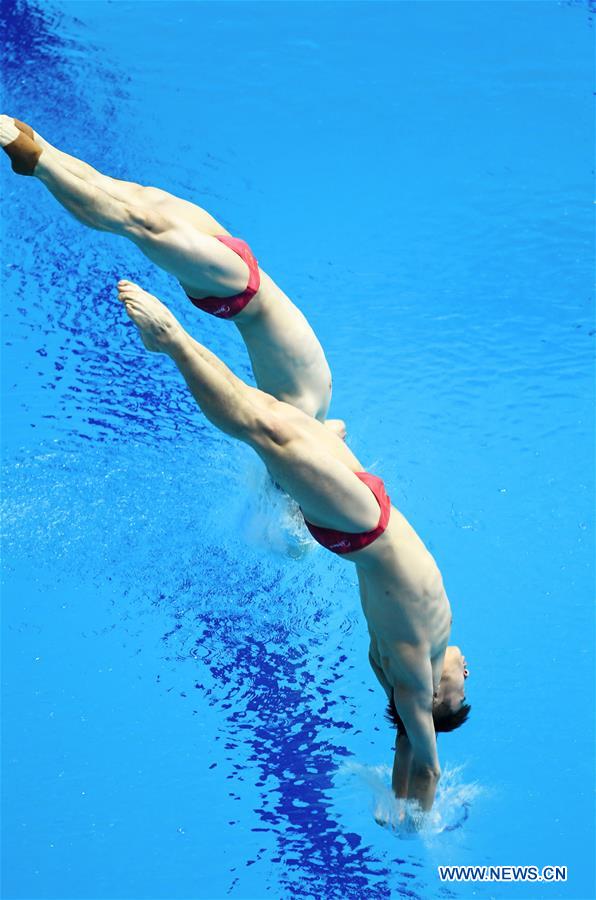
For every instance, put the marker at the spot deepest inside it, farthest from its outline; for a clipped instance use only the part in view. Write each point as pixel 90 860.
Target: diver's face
pixel 453 679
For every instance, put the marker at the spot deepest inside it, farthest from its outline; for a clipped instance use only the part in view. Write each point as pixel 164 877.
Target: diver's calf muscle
pixel 217 270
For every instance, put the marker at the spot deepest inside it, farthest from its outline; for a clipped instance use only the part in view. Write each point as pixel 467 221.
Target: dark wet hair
pixel 444 718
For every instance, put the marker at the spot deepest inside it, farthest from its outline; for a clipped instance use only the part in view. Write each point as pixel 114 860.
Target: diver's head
pixel 450 709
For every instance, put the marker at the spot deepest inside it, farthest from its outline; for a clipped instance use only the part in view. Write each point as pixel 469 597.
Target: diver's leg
pixel 295 448
pixel 231 405
pixel 128 291
pixel 201 263
pixel 287 359
pixel 129 191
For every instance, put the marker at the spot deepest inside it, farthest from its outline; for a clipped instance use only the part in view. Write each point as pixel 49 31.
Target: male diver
pixel 347 511
pixel 218 272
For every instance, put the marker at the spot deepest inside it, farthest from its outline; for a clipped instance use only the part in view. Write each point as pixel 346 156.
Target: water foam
pixel 269 518
pixel 450 811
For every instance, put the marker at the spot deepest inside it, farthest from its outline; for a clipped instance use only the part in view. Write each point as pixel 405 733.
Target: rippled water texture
pixel 187 701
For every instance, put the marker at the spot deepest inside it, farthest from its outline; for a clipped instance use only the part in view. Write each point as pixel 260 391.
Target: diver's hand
pixel 423 784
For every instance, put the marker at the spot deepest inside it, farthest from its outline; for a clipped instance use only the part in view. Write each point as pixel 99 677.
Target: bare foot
pixel 19 145
pixel 26 129
pixel 338 426
pixel 160 330
pixel 8 131
pixel 34 135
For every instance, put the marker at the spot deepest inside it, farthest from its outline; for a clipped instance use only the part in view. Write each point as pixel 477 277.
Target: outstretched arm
pixel 402 766
pixel 415 709
pixel 402 763
pixel 416 765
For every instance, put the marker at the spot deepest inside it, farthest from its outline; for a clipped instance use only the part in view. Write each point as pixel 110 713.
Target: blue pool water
pixel 188 708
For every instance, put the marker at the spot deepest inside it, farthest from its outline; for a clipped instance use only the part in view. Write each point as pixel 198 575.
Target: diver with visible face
pixel 347 510
pixel 449 711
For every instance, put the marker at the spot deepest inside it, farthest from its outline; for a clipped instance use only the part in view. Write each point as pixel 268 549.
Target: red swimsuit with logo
pixel 346 542
pixel 227 307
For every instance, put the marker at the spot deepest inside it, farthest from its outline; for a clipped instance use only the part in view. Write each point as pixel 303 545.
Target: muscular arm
pixel 403 750
pixel 402 765
pixel 415 709
pixel 415 765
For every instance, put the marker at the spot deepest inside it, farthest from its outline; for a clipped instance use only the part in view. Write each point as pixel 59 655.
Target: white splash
pixel 450 810
pixel 270 519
